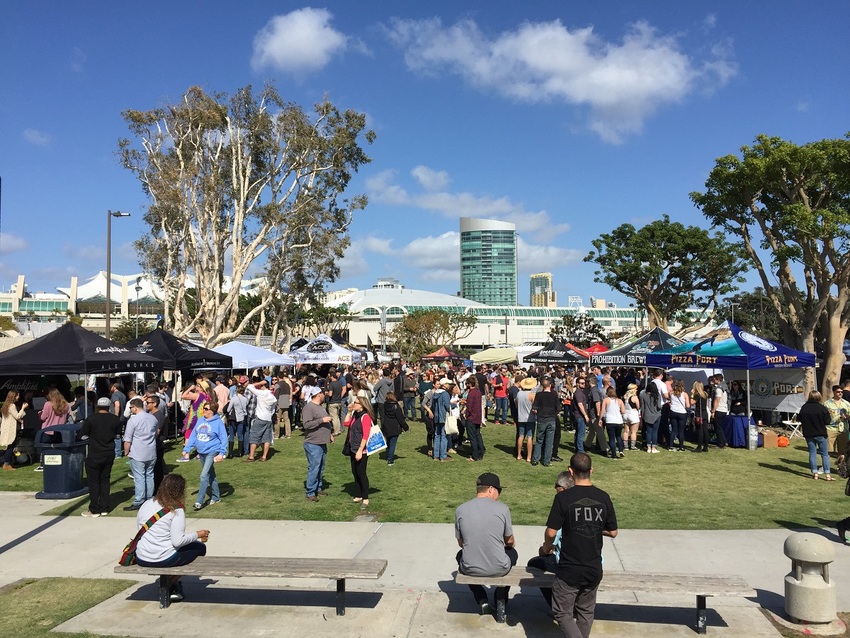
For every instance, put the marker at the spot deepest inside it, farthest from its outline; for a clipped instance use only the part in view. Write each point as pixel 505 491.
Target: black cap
pixel 488 478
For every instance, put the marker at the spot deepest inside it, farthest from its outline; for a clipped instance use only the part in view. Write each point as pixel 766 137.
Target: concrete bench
pixel 337 569
pixel 698 585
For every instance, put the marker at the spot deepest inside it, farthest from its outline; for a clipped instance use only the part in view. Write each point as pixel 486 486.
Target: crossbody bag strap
pixel 150 522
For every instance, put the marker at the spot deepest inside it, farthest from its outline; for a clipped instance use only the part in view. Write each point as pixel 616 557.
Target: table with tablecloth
pixel 735 429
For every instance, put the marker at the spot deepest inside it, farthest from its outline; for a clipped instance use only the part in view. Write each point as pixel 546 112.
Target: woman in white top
pixel 10 418
pixel 680 404
pixel 166 543
pixel 631 418
pixel 611 416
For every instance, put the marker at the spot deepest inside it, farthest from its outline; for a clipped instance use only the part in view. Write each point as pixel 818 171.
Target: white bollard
pixel 809 593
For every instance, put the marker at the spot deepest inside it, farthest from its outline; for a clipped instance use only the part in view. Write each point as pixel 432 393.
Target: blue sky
pixel 566 118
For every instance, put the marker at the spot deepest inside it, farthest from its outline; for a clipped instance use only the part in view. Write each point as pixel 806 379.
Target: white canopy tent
pixel 323 349
pixel 245 355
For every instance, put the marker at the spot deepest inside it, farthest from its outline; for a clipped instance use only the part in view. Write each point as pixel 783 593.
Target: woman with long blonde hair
pixel 10 417
pixel 631 417
pixel 699 402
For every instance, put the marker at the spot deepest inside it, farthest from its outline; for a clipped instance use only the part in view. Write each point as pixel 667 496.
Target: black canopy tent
pixel 177 353
pixel 71 349
pixel 634 353
pixel 556 352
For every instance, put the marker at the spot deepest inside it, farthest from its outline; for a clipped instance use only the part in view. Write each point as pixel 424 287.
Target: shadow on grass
pixel 788 470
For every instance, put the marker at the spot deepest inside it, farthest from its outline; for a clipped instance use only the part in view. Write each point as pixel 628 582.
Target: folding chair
pixel 794 425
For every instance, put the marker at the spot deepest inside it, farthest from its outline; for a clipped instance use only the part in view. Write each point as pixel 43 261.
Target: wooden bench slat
pixel 274 567
pixel 694 584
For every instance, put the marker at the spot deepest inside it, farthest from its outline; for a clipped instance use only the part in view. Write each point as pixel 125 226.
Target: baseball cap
pixel 446 381
pixel 309 391
pixel 243 379
pixel 488 478
pixel 104 402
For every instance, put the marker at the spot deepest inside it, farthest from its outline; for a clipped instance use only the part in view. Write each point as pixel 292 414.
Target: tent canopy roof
pixel 177 353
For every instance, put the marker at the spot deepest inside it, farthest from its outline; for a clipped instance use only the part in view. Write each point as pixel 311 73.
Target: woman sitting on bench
pixel 166 543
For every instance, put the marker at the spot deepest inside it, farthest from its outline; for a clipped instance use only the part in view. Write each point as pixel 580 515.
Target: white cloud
pixel 802 106
pixel 34 136
pixel 534 258
pixel 709 22
pixel 434 253
pixel 11 244
pixel 430 179
pixel 382 188
pixel 299 42
pixel 88 252
pixel 620 83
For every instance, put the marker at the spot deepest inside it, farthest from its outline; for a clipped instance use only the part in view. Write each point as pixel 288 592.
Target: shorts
pixel 261 432
pixel 526 429
pixel 631 417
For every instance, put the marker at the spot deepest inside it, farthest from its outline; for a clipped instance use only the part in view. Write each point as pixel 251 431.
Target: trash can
pixel 63 459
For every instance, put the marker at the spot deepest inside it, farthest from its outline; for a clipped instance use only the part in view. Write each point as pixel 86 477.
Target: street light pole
pixel 138 290
pixel 109 216
pixel 732 305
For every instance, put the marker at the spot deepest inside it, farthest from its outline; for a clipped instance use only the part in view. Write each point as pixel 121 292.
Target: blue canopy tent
pixel 740 351
pixel 731 348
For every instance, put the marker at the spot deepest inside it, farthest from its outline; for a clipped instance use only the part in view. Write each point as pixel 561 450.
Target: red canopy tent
pixel 442 354
pixel 596 348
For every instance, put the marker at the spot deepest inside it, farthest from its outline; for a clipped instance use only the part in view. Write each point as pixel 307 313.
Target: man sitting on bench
pixel 484 532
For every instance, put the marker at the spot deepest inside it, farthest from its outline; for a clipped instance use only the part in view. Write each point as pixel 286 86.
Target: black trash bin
pixel 63 459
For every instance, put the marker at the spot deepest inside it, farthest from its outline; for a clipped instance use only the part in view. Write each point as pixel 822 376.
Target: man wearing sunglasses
pixel 485 534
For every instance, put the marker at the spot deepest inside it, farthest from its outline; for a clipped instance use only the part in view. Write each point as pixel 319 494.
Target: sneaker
pixel 198 506
pixel 620 454
pixel 176 595
pixel 89 514
pixel 40 468
pixel 179 460
pixel 557 459
pixel 655 450
pixel 211 503
pixel 485 609
pixel 390 464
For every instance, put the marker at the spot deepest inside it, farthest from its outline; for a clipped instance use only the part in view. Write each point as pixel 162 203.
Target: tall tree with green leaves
pixel 753 311
pixel 421 331
pixel 242 185
pixel 789 206
pixel 579 329
pixel 667 268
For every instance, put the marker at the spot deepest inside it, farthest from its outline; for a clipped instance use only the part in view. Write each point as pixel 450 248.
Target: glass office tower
pixel 488 261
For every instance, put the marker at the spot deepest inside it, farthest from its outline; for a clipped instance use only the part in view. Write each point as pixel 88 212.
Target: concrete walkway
pixel 415 597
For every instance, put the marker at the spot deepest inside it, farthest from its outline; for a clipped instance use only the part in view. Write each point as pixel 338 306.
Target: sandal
pixel 365 503
pixel 828 478
pixel 815 476
pixel 357 499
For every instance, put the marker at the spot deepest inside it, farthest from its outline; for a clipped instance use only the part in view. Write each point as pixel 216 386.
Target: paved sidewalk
pixel 415 597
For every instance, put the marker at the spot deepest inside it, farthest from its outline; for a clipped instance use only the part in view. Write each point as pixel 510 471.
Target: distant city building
pixel 542 292
pixel 488 260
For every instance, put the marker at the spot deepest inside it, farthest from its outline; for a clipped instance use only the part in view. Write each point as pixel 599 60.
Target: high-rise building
pixel 488 261
pixel 542 293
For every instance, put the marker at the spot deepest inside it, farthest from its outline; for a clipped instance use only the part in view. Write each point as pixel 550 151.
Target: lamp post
pixel 109 216
pixel 732 305
pixel 138 290
pixel 383 330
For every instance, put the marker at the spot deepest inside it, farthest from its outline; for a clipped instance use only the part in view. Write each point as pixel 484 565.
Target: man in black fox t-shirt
pixel 584 514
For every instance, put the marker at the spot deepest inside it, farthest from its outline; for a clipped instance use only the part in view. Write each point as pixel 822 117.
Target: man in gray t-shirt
pixel 484 532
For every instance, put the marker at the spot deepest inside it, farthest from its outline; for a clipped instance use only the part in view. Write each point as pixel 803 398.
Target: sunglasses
pixel 206 406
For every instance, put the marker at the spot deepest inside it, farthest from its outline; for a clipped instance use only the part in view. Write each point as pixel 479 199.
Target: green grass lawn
pixel 724 489
pixel 25 612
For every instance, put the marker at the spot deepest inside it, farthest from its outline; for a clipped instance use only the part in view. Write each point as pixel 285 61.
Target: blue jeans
pixel 652 432
pixel 315 466
pixel 677 428
pixel 208 478
pixel 501 409
pixel 391 441
pixel 410 407
pixel 243 434
pixel 543 442
pixel 441 442
pixel 581 431
pixel 818 444
pixel 119 447
pixel 615 438
pixel 473 431
pixel 142 480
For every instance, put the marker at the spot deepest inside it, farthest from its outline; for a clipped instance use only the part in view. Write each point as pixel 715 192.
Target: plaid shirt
pixel 251 407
